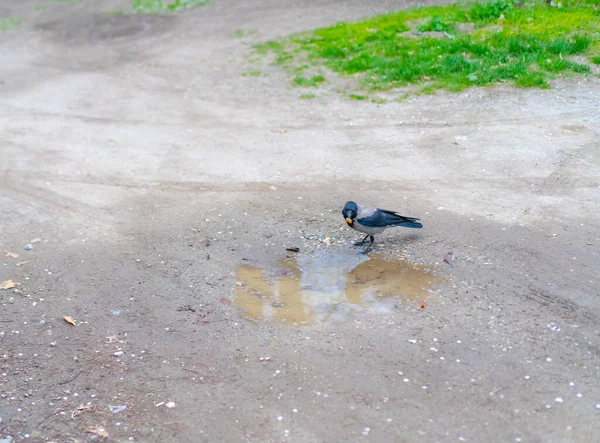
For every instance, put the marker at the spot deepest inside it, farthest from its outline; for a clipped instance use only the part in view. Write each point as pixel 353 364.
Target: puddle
pixel 329 285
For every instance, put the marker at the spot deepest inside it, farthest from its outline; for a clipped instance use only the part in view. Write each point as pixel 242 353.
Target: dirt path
pixel 150 168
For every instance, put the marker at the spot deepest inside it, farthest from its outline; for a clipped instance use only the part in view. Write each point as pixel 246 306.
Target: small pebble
pixel 170 405
pixel 118 353
pixel 366 431
pixel 280 418
pixel 28 247
pixel 558 400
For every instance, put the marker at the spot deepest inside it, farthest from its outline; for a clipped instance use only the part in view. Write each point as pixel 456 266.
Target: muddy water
pixel 305 290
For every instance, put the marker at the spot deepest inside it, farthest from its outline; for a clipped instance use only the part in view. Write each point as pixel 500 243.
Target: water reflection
pixel 306 289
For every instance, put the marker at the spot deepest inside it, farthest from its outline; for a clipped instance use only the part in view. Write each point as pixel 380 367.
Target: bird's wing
pixel 380 218
pixel 377 219
pixel 387 211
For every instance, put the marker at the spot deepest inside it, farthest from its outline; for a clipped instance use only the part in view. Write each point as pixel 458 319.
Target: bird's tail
pixel 392 218
pixel 407 222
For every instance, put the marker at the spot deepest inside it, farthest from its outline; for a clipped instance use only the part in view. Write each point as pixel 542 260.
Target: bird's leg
pixel 360 243
pixel 370 245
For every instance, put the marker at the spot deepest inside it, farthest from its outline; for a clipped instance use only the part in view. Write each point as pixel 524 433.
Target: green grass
pixel 307 95
pixel 313 80
pixel 525 44
pixel 157 6
pixel 9 22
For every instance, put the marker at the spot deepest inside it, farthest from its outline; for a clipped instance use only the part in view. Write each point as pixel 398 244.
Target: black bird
pixel 373 221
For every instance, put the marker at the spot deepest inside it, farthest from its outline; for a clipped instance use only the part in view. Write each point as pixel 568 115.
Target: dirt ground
pixel 144 168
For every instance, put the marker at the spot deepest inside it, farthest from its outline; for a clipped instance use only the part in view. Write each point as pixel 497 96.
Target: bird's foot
pixel 362 242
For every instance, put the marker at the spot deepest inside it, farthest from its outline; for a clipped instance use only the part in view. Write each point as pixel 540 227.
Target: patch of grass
pixel 39 7
pixel 314 80
pixel 595 59
pixel 156 6
pixel 9 22
pixel 357 96
pixel 435 24
pixel 307 95
pixel 402 97
pixel 526 43
pixel 485 12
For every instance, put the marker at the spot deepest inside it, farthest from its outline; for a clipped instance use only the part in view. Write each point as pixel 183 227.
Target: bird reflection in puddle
pixel 305 289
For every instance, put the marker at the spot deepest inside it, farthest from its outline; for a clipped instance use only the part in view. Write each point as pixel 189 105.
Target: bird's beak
pixel 349 221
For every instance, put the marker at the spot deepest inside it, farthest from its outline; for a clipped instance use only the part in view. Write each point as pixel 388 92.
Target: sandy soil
pixel 150 169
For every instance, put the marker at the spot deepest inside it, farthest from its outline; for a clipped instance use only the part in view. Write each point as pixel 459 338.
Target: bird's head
pixel 349 212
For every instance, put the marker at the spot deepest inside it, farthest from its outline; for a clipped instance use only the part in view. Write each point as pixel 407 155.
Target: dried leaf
pixel 98 430
pixel 8 284
pixel 225 301
pixel 21 263
pixel 422 304
pixel 68 320
pixel 11 254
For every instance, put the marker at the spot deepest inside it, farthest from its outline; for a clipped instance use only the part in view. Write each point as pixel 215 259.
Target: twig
pixel 71 379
